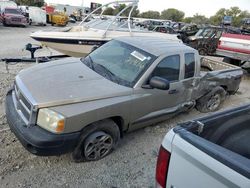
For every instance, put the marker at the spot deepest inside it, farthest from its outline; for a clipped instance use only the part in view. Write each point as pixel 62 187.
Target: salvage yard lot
pixel 132 164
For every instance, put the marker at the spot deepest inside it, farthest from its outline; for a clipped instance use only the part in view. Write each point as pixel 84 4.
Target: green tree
pixel 118 9
pixel 150 14
pixel 200 19
pixel 235 12
pixel 217 18
pixel 109 11
pixel 188 19
pixel 37 3
pixel 172 14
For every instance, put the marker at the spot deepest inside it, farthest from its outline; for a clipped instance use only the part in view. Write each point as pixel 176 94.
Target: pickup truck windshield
pixel 12 11
pixel 119 62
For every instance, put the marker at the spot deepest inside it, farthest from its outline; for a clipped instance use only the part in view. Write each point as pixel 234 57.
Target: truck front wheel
pixel 4 23
pixel 97 141
pixel 211 101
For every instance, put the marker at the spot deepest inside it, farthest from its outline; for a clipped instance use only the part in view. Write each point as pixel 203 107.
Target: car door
pixel 151 105
pixel 190 78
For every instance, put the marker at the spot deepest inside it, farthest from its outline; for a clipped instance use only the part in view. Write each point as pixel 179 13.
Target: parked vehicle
pixel 5 4
pixel 177 26
pixel 13 16
pixel 208 152
pixel 35 15
pixel 75 12
pixel 55 17
pixel 245 28
pixel 187 31
pixel 150 23
pixel 126 84
pixel 206 39
pixel 227 20
pixel 236 49
pixel 164 29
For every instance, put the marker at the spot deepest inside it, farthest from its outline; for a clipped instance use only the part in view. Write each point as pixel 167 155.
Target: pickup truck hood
pixel 66 82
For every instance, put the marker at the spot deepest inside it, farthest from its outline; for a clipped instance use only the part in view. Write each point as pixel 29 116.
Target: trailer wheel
pixel 211 101
pixel 97 141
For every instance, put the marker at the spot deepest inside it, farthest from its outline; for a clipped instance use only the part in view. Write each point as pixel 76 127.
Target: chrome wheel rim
pixel 97 145
pixel 214 102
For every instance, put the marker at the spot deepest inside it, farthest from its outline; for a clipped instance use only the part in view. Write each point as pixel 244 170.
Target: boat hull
pixel 74 48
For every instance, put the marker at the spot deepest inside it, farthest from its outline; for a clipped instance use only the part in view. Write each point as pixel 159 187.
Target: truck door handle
pixel 174 91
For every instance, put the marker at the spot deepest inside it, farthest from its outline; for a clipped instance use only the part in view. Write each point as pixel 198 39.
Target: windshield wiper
pixel 88 61
pixel 108 74
pixel 102 69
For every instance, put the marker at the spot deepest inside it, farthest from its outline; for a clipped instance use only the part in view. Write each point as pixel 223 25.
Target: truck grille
pixel 16 19
pixel 23 106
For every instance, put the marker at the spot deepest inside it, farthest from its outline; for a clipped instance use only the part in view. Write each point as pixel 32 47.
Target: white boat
pixel 78 41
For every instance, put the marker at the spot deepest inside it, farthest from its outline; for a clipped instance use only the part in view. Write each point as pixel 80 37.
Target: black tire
pixel 4 23
pixel 97 141
pixel 211 101
pixel 202 51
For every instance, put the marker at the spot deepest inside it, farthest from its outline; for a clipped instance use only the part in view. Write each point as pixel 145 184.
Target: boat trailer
pixel 32 59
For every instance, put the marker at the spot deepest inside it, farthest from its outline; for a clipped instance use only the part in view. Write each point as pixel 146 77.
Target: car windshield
pixel 12 11
pixel 206 32
pixel 119 62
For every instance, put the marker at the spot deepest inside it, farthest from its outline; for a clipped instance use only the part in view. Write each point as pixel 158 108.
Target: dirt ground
pixel 132 164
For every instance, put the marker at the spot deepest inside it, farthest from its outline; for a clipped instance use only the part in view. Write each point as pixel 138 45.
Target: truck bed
pixel 211 64
pixel 217 73
pixel 224 136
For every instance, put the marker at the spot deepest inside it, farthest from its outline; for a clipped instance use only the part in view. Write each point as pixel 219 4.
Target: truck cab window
pixel 189 65
pixel 168 68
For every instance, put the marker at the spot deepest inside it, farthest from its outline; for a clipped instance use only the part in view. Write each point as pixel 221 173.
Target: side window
pixel 189 65
pixel 168 68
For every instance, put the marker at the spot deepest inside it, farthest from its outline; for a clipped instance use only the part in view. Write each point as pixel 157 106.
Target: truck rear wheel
pixel 97 141
pixel 211 101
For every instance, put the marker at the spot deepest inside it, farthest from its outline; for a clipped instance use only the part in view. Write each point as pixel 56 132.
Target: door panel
pixel 152 104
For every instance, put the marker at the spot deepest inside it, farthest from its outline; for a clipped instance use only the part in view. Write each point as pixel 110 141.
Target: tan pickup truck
pixel 85 105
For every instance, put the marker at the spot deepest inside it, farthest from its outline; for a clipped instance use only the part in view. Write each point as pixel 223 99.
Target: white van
pixel 37 16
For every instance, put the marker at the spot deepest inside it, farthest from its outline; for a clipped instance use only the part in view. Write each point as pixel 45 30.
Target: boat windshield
pixel 113 25
pixel 119 62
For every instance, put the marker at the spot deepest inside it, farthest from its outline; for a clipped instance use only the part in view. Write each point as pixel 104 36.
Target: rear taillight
pixel 162 167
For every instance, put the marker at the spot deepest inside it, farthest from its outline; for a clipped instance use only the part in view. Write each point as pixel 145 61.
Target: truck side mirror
pixel 159 83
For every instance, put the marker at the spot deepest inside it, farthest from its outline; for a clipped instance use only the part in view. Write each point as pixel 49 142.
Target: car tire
pixel 211 101
pixel 202 51
pixel 4 23
pixel 97 141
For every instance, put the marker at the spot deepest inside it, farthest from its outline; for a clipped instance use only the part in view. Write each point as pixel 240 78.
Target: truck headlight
pixel 50 120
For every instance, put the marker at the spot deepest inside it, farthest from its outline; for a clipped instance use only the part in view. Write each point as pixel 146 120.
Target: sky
pixel 189 7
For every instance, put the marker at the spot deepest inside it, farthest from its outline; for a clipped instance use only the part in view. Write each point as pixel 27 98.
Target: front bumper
pixel 35 139
pixel 10 22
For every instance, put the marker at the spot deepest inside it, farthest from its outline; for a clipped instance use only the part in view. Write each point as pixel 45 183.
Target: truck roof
pixel 155 45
